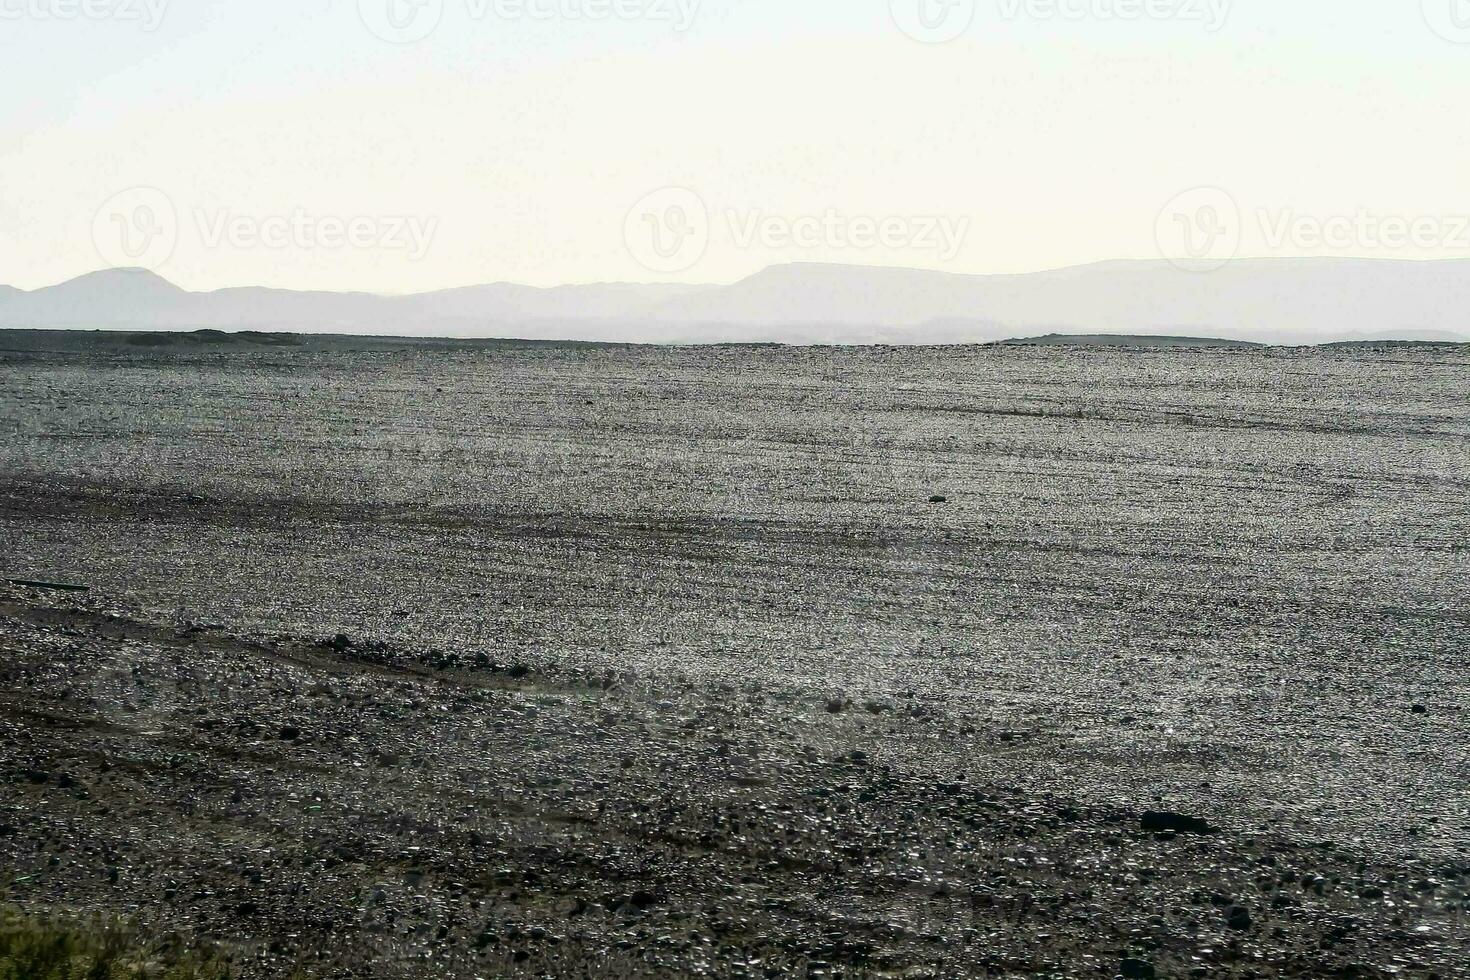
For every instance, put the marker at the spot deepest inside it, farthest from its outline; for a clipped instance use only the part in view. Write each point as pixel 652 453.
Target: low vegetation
pixel 34 948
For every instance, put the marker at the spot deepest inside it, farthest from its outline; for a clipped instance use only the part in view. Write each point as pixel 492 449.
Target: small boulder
pixel 1165 822
pixel 1133 969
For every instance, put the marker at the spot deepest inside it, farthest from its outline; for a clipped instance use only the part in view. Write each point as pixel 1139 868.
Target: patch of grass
pixel 35 948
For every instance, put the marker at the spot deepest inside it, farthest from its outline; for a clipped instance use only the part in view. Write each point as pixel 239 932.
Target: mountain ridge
pixel 1274 301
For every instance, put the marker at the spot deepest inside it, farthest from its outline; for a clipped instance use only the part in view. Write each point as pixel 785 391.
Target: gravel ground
pixel 743 661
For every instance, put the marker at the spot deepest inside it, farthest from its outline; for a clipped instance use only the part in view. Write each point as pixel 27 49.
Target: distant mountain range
pixel 1271 301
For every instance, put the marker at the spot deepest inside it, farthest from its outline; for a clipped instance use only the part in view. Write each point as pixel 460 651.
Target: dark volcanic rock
pixel 1165 822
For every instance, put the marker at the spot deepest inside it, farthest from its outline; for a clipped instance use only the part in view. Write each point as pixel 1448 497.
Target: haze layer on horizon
pixel 409 145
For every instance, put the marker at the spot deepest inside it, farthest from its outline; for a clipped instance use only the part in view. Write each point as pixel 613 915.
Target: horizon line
pixel 1057 339
pixel 1164 262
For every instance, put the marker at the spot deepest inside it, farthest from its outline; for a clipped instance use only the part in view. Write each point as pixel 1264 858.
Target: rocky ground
pixel 559 661
pixel 360 809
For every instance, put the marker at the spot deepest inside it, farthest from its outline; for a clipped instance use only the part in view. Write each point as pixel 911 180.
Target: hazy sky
pixel 284 142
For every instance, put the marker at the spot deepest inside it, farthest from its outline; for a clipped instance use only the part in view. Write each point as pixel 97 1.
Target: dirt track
pixel 674 591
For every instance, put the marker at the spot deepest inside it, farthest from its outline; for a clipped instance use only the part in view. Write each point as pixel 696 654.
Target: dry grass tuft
pixel 34 948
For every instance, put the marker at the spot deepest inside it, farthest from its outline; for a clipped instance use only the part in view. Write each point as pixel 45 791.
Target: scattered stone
pixel 666 861
pixel 1238 917
pixel 1165 822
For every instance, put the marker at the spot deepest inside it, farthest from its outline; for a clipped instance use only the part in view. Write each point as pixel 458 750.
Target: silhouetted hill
pixel 1270 301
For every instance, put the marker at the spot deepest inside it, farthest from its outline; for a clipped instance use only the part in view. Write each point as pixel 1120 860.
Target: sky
pixel 406 145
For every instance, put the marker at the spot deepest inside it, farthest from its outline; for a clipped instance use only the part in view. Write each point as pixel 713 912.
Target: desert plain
pixel 402 658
